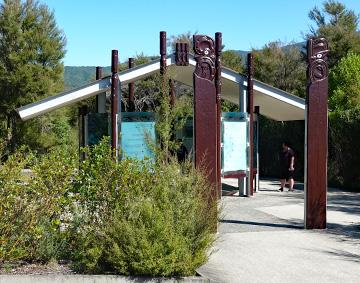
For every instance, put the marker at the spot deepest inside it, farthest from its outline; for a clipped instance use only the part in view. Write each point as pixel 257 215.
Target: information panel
pixel 137 131
pixel 234 137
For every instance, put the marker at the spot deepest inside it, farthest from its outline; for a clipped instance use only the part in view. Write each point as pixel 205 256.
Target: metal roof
pixel 274 103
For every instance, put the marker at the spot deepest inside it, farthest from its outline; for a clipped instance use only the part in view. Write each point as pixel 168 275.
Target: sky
pixel 93 27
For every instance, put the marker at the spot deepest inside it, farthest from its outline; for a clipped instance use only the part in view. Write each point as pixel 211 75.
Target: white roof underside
pixel 274 103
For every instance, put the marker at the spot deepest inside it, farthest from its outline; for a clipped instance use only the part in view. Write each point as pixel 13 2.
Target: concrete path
pixel 261 239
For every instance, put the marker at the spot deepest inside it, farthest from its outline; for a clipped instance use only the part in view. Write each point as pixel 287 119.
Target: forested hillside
pixel 75 76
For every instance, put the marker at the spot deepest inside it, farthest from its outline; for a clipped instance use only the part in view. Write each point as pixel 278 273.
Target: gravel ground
pixel 36 268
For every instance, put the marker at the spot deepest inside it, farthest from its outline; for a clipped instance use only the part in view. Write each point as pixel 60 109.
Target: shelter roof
pixel 274 103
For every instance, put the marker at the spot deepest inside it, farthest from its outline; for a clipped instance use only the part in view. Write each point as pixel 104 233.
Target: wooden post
pixel 131 89
pixel 242 181
pixel 114 101
pixel 316 145
pixel 163 60
pixel 250 110
pixel 12 124
pixel 98 76
pixel 162 52
pixel 172 92
pixel 218 47
pixel 98 73
pixel 83 110
pixel 205 115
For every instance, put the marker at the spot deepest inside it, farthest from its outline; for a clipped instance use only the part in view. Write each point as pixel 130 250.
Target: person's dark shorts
pixel 286 174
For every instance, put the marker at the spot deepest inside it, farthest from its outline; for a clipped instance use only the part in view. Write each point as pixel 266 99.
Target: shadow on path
pixel 275 225
pixel 344 255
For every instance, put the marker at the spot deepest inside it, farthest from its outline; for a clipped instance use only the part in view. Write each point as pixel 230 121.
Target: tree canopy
pixel 31 51
pixel 344 83
pixel 282 66
pixel 339 26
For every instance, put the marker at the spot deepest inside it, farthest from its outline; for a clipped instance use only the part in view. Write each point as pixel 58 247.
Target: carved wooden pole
pixel 205 116
pixel 114 100
pixel 181 54
pixel 131 89
pixel 316 134
pixel 218 46
pixel 250 110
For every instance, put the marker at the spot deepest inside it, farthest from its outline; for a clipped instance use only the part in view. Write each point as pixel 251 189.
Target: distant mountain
pixel 300 45
pixel 75 76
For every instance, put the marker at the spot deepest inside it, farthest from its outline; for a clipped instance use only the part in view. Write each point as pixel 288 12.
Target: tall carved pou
pixel 317 134
pixel 205 115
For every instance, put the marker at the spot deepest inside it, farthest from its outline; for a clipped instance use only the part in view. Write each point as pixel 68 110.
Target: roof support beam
pixel 114 101
pixel 218 46
pixel 250 110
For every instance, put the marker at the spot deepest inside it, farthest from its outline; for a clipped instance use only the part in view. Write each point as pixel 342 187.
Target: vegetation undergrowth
pixel 136 217
pixel 126 217
pixel 140 217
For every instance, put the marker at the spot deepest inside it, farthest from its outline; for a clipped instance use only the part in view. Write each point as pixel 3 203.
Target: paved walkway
pixel 261 239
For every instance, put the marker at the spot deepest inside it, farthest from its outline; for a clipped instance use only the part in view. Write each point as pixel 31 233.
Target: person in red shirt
pixel 287 160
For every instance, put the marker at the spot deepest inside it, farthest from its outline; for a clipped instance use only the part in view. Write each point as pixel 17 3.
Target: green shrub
pixel 33 205
pixel 15 217
pixel 150 219
pixel 127 217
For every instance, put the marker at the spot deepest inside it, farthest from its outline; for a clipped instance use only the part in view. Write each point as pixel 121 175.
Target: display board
pixel 234 142
pixel 137 133
pixel 97 127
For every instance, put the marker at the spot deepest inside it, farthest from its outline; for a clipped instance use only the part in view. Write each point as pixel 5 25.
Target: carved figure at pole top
pixel 182 54
pixel 318 50
pixel 204 48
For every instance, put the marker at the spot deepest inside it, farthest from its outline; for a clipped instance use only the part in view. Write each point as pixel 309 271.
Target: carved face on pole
pixel 205 56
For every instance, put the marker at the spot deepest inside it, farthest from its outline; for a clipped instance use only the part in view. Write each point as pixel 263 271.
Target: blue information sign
pixel 234 137
pixel 135 138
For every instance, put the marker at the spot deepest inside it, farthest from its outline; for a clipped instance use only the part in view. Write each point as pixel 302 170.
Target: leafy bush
pixel 126 217
pixel 344 83
pixel 33 204
pixel 150 217
pixel 153 218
